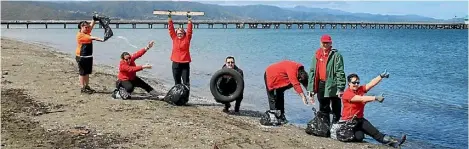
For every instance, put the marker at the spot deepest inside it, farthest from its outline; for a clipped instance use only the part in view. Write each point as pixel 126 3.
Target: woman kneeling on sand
pixel 127 76
pixel 354 106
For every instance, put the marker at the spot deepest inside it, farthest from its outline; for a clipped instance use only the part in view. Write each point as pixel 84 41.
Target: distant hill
pixel 375 17
pixel 79 10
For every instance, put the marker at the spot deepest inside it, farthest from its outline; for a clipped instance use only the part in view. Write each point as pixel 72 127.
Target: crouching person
pixel 228 84
pixel 278 78
pixel 127 77
pixel 354 101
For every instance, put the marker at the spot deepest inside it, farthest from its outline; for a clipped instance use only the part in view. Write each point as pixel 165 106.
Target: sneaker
pixel 225 110
pixel 393 142
pixel 115 94
pixel 282 119
pixel 84 90
pixel 89 89
pixel 123 93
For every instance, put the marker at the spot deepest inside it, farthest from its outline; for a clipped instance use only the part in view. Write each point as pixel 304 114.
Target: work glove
pixel 385 74
pixel 189 17
pixel 380 98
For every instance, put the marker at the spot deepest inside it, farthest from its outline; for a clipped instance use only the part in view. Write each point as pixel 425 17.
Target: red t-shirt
pixel 282 74
pixel 352 108
pixel 322 64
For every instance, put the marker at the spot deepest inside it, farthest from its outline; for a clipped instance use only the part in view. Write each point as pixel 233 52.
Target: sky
pixel 427 8
pixel 433 9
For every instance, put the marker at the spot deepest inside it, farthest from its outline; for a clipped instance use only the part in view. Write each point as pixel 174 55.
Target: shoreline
pixel 48 77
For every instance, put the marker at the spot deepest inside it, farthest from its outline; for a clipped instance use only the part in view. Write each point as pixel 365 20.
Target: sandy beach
pixel 42 107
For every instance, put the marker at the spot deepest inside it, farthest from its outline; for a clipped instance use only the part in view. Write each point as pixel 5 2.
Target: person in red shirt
pixel 280 77
pixel 354 101
pixel 327 78
pixel 180 55
pixel 127 77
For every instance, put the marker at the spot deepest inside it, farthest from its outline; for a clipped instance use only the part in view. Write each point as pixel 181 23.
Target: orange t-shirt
pixel 85 45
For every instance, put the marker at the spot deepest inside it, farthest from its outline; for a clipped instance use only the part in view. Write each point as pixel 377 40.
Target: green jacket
pixel 335 74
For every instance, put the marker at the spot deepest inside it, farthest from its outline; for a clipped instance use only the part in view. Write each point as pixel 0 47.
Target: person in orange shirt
pixel 280 77
pixel 180 55
pixel 84 53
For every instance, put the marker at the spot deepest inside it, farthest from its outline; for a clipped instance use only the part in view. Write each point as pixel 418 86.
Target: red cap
pixel 326 38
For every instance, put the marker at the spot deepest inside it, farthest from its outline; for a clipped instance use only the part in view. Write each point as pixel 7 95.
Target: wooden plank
pixel 178 13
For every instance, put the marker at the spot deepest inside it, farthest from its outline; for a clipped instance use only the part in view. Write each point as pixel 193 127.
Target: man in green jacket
pixel 327 78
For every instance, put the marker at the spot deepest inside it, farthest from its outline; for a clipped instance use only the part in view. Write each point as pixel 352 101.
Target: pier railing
pixel 239 24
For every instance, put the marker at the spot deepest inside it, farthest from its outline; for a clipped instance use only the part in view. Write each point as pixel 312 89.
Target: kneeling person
pixel 228 84
pixel 127 77
pixel 354 101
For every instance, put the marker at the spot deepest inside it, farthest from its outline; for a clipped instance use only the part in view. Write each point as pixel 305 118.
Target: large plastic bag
pixel 346 131
pixel 320 125
pixel 270 118
pixel 178 95
pixel 104 22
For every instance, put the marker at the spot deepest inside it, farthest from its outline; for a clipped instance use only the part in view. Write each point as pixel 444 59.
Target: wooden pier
pixel 256 24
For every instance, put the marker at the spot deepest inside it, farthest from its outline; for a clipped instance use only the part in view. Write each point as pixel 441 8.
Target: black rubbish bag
pixel 270 118
pixel 320 125
pixel 177 95
pixel 346 131
pixel 104 22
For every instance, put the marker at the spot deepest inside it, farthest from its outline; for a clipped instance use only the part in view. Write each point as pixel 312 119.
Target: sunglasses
pixel 356 82
pixel 230 62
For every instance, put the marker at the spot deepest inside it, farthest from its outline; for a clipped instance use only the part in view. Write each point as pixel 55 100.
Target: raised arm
pixel 373 83
pixel 189 28
pixel 142 51
pixel 376 80
pixel 172 32
pixel 93 22
pixel 138 54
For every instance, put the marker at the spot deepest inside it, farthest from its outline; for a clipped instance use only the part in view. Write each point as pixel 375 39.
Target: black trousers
pixel 237 104
pixel 228 86
pixel 181 71
pixel 276 97
pixel 130 85
pixel 325 103
pixel 365 127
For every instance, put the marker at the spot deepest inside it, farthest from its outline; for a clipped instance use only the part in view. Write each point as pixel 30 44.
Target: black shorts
pixel 85 65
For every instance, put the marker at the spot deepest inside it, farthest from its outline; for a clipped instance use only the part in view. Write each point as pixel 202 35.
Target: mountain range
pixel 142 10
